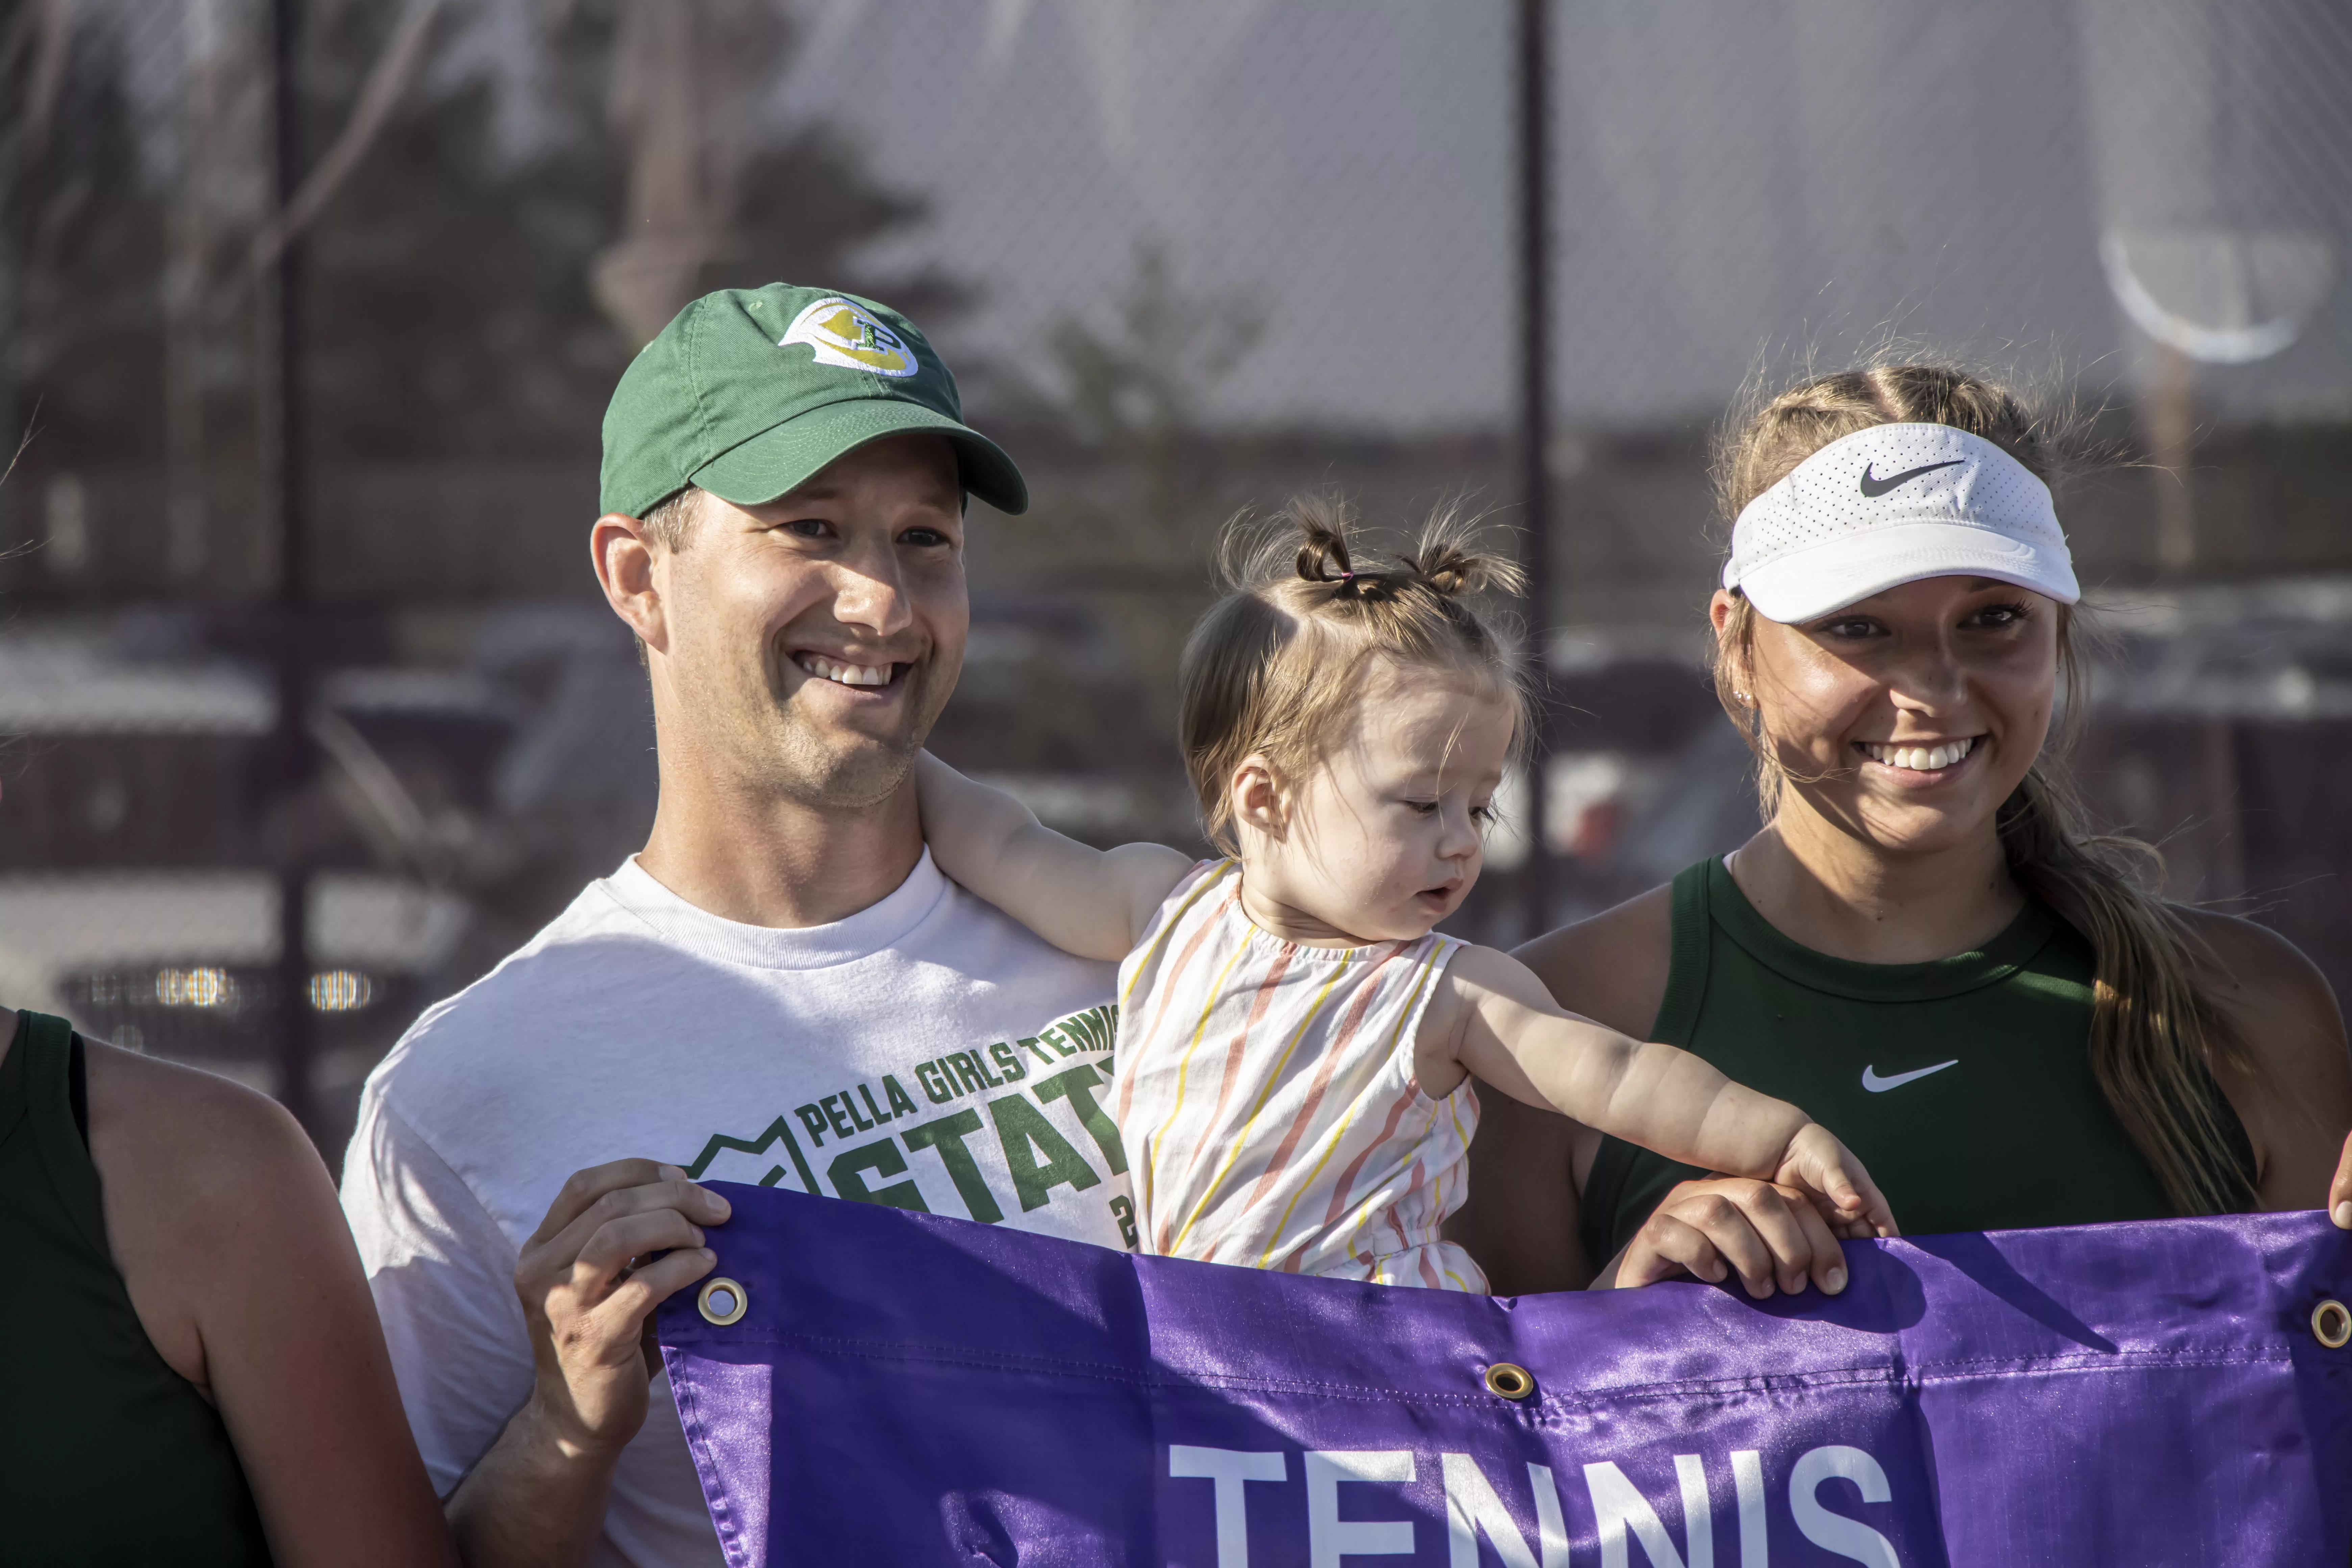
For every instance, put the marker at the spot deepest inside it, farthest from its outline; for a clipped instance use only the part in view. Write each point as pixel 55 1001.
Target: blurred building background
pixel 1185 258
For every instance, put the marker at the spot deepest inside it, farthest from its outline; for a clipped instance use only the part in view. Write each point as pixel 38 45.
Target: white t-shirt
pixel 927 1052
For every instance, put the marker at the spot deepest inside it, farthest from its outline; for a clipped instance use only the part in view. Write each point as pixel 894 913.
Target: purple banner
pixel 907 1389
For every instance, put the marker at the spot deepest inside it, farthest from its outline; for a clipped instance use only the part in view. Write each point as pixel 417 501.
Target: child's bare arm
pixel 1511 1033
pixel 1091 902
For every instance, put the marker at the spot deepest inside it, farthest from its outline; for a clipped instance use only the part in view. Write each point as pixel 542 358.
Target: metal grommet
pixel 722 1301
pixel 1510 1382
pixel 2331 1324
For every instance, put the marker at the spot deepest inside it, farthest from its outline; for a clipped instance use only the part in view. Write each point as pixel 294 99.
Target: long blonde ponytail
pixel 2157 1034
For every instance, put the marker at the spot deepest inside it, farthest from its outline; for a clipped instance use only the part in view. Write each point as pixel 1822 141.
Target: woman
pixel 1924 947
pixel 194 1374
pixel 2340 1191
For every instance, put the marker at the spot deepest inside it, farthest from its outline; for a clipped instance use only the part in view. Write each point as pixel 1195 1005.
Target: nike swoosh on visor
pixel 1877 487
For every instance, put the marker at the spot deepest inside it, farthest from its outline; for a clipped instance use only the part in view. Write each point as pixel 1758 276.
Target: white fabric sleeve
pixel 442 1275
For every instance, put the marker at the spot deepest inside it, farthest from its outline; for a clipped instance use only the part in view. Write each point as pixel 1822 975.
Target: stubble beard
pixel 838 768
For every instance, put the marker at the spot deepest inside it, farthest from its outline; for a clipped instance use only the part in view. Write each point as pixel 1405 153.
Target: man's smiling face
pixel 813 639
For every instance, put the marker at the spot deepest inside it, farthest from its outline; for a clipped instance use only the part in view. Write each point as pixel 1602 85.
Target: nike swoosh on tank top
pixel 2013 1133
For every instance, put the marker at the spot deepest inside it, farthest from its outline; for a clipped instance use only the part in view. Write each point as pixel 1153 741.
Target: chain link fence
pixel 1185 260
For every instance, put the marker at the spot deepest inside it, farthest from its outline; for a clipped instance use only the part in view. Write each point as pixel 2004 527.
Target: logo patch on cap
pixel 842 332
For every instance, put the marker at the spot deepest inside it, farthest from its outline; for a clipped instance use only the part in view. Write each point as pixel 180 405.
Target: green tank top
pixel 106 1455
pixel 1964 1084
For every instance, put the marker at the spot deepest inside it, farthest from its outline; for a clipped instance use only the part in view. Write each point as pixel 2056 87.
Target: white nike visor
pixel 1890 505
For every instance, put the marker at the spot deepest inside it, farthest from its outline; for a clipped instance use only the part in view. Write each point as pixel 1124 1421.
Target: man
pixel 780 988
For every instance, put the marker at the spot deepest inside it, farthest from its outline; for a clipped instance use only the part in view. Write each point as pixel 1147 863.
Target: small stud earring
pixel 1744 699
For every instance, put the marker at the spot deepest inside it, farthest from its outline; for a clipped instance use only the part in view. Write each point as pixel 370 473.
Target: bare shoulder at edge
pixel 193 1136
pixel 2296 1100
pixel 2263 978
pixel 2285 1012
pixel 1610 967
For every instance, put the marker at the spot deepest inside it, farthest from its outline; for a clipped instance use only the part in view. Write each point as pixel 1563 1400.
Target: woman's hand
pixel 2340 1191
pixel 1771 1236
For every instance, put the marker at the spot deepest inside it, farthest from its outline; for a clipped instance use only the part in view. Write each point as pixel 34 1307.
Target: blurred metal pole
pixel 1533 56
pixel 279 396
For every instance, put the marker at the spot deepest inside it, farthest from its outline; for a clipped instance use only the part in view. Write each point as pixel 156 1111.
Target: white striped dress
pixel 1264 1092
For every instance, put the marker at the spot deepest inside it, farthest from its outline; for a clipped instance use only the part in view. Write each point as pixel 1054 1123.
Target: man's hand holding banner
pixel 909 1390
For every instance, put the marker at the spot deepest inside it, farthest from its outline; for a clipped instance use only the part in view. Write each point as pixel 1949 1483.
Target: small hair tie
pixel 1347 576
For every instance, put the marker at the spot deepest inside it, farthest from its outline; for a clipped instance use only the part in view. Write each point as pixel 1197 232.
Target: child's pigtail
pixel 1323 554
pixel 1445 559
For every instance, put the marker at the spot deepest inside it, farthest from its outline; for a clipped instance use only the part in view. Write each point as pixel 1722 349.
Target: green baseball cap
pixel 748 392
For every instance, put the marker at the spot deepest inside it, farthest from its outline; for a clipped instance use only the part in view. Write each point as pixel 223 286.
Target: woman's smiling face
pixel 1905 719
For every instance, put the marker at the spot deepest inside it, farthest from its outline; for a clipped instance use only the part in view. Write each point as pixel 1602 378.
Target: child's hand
pixel 1849 1200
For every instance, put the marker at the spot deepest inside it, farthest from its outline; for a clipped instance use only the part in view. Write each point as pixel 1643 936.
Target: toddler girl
pixel 1295 1042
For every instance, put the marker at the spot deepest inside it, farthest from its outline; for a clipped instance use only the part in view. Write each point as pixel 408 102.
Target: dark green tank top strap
pixel 106 1455
pixel 1964 1084
pixel 1686 963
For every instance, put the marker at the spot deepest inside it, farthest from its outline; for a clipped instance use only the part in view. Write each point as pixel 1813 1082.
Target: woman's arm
pixel 225 1225
pixel 1514 1036
pixel 2295 1094
pixel 1091 902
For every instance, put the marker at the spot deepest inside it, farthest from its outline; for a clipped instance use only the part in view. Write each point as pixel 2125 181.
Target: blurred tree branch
pixel 1139 383
pixel 45 27
pixel 395 68
pixel 679 100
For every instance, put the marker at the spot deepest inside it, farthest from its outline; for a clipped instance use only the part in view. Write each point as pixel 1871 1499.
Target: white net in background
pixel 1736 183
pixel 1185 259
pixel 1332 177
pixel 2221 136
